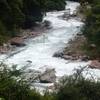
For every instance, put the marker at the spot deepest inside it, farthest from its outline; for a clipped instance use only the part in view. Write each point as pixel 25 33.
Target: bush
pixel 92 28
pixel 73 87
pixel 12 89
pixel 76 87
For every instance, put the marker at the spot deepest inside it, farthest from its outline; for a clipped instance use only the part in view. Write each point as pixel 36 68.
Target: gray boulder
pixel 48 76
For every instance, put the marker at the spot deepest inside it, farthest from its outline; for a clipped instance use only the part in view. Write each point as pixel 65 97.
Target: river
pixel 40 50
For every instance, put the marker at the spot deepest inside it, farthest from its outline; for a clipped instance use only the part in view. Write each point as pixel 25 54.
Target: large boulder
pixel 48 76
pixel 18 41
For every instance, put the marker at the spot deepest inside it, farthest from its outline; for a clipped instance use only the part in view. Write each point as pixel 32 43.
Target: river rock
pixel 18 41
pixel 95 64
pixel 33 34
pixel 66 57
pixel 58 54
pixel 47 24
pixel 31 75
pixel 48 76
pixel 84 58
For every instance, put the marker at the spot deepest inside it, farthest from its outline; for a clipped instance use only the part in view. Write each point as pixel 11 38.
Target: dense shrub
pixel 76 87
pixel 12 89
pixel 73 87
pixel 55 5
pixel 92 28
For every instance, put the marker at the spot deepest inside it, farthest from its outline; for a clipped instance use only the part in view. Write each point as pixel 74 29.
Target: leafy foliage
pixel 92 28
pixel 76 87
pixel 12 89
pixel 73 87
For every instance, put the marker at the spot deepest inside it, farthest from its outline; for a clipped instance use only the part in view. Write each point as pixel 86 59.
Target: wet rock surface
pixel 95 64
pixel 48 76
pixel 17 41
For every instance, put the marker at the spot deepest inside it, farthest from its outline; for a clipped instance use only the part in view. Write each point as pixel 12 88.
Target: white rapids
pixel 40 50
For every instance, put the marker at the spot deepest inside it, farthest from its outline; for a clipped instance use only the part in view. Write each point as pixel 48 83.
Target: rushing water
pixel 40 50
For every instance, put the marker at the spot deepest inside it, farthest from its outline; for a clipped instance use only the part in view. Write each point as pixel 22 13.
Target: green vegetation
pixel 54 5
pixel 92 29
pixel 12 88
pixel 91 11
pixel 83 1
pixel 17 14
pixel 73 87
pixel 76 87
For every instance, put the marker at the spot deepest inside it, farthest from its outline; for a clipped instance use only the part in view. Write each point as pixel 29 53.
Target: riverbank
pixel 74 50
pixel 24 35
